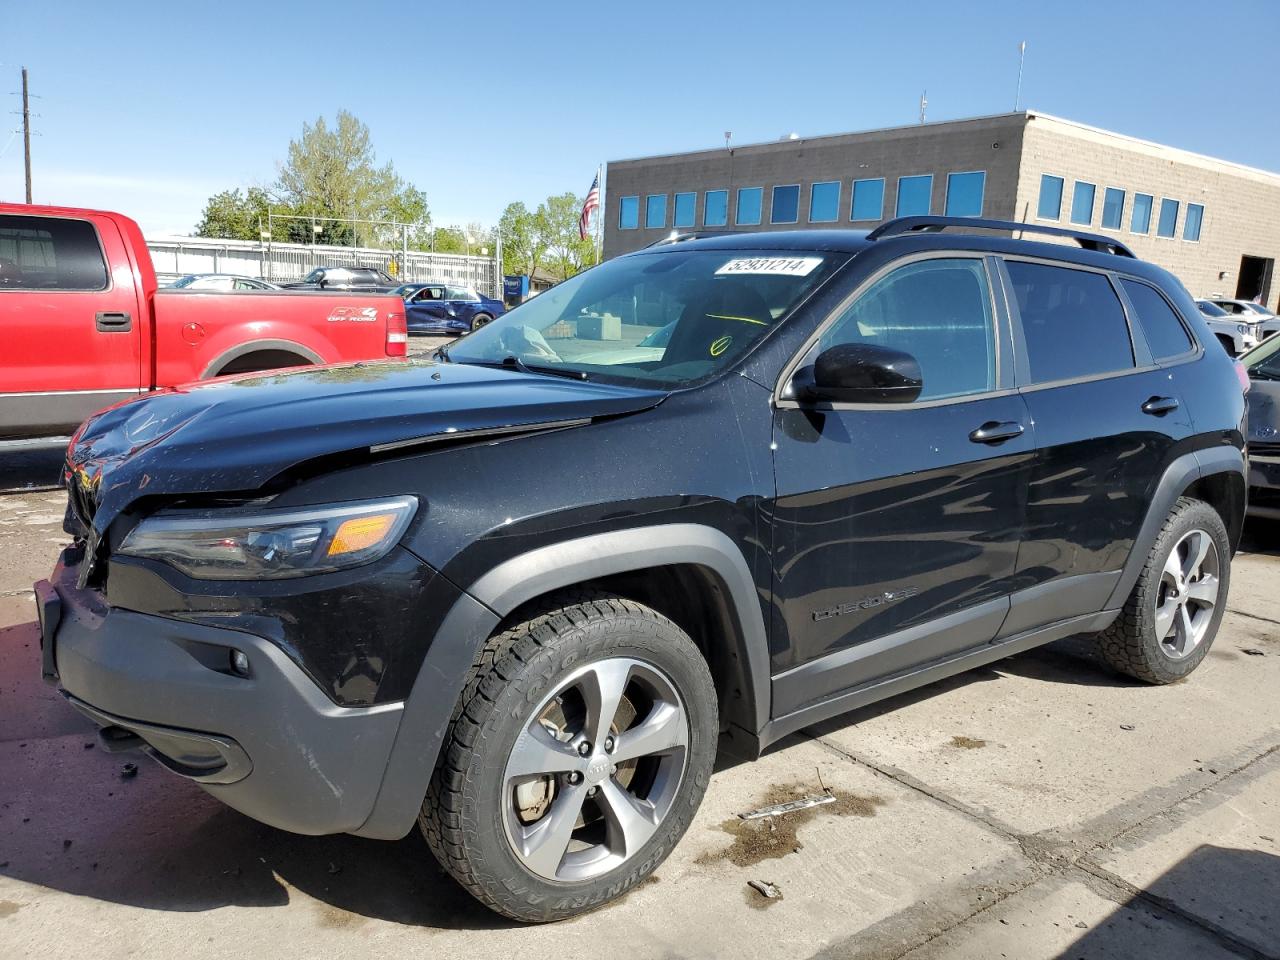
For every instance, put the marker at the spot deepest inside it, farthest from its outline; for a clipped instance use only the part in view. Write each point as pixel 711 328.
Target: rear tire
pixel 479 320
pixel 527 809
pixel 1169 622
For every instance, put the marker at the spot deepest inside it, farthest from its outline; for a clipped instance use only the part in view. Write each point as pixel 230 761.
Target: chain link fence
pixel 287 262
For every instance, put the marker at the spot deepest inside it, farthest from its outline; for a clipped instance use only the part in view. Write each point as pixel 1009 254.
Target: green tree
pixel 566 252
pixel 522 241
pixel 234 215
pixel 331 171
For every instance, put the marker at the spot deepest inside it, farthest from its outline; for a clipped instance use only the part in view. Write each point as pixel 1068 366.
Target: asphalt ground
pixel 1040 807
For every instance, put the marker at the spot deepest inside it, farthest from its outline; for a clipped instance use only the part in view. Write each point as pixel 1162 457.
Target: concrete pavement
pixel 1042 807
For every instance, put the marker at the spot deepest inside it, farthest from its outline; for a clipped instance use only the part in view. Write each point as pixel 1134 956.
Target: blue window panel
pixel 915 195
pixel 628 213
pixel 1050 198
pixel 1195 217
pixel 1141 221
pixel 824 202
pixel 1082 202
pixel 964 194
pixel 715 208
pixel 1113 208
pixel 750 200
pixel 786 204
pixel 868 200
pixel 655 211
pixel 683 213
pixel 1167 226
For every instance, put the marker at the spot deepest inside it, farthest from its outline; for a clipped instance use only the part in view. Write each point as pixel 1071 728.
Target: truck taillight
pixel 397 335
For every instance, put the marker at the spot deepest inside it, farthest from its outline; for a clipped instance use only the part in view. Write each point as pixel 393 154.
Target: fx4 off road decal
pixel 866 603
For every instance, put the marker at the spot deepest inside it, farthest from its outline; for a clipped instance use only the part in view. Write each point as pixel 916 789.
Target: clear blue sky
pixel 150 107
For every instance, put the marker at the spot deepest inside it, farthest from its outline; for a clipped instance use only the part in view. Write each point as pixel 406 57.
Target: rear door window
pixel 1166 336
pixel 1072 321
pixel 50 253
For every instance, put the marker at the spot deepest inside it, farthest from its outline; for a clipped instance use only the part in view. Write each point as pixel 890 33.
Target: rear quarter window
pixel 1072 321
pixel 50 253
pixel 1166 336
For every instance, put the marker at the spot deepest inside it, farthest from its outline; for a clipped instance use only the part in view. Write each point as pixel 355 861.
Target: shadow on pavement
pixel 31 464
pixel 70 821
pixel 1229 891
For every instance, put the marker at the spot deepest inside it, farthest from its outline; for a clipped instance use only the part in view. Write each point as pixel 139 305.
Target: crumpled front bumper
pixel 269 744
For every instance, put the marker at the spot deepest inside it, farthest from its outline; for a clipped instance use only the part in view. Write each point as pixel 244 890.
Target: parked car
pixel 405 290
pixel 441 308
pixel 363 279
pixel 1235 333
pixel 517 596
pixel 1263 366
pixel 1242 308
pixel 84 325
pixel 220 281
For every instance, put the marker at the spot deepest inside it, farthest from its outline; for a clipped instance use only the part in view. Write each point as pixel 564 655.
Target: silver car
pixel 221 282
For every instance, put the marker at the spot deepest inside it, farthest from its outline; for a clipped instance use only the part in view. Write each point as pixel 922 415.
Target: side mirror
pixel 862 373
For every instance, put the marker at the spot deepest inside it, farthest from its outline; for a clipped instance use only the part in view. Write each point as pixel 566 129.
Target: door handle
pixel 997 431
pixel 113 322
pixel 1159 406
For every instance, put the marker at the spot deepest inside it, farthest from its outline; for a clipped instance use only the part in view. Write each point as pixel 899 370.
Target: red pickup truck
pixel 83 326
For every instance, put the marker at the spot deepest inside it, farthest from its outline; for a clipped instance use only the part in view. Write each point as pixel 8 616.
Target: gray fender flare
pixel 1180 474
pixel 244 349
pixel 476 614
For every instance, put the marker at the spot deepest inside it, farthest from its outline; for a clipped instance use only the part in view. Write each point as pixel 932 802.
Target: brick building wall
pixel 1241 205
pixel 990 144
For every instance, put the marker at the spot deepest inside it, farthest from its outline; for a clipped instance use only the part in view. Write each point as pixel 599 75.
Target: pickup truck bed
pixel 83 325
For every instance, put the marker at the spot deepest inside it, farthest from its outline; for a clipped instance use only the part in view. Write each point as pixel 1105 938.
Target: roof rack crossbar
pixel 1090 241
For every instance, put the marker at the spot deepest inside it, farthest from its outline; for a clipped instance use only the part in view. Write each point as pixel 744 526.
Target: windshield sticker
pixel 776 266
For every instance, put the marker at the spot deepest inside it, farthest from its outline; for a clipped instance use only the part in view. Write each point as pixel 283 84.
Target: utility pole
pixel 26 131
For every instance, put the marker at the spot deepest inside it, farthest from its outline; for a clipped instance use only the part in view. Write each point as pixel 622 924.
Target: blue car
pixel 441 308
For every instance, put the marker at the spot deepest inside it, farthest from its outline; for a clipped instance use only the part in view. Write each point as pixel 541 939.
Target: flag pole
pixel 599 213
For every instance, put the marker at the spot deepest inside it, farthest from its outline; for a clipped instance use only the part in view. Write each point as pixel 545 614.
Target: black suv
pixel 702 495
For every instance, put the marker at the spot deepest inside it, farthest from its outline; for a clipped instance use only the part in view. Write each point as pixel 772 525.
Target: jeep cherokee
pixel 522 591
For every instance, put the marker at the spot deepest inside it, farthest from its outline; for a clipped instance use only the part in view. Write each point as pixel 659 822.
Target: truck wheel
pixel 1170 620
pixel 577 755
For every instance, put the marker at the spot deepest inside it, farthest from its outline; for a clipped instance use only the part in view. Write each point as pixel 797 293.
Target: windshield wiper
pixel 513 362
pixel 441 353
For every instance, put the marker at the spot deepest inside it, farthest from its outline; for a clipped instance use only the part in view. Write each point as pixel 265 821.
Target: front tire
pixel 578 753
pixel 1169 622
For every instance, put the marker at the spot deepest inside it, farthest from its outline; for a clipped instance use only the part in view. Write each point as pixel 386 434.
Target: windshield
pixel 1263 361
pixel 601 323
pixel 1211 309
pixel 1256 308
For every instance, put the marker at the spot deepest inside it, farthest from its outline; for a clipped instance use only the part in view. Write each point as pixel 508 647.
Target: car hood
pixel 235 434
pixel 1264 416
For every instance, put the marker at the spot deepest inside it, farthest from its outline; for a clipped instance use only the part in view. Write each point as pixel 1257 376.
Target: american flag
pixel 589 205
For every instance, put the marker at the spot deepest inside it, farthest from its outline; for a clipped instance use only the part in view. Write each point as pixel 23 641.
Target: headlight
pixel 212 545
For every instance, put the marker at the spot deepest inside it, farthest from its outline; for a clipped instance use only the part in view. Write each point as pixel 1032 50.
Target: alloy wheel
pixel 595 770
pixel 1188 593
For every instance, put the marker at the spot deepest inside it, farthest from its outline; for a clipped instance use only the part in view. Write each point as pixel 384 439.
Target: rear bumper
pixel 269 744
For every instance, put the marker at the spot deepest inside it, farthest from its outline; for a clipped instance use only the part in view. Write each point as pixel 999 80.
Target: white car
pixel 221 282
pixel 1239 330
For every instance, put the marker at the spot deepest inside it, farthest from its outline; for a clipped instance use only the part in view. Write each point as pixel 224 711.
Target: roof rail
pixel 1090 241
pixel 675 236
